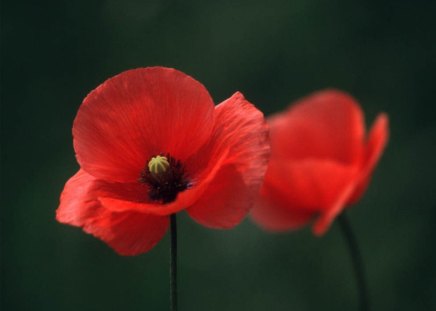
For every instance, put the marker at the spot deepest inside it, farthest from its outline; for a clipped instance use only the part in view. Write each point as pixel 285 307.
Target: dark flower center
pixel 165 177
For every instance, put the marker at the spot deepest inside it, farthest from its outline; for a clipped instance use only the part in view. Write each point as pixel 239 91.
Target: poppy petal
pixel 128 233
pixel 377 140
pixel 322 224
pixel 305 188
pixel 245 130
pixel 77 203
pixel 136 115
pixel 84 189
pixel 225 202
pixel 241 132
pixel 184 199
pixel 272 213
pixel 311 184
pixel 325 125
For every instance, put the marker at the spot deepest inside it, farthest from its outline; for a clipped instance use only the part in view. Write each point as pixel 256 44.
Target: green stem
pixel 356 258
pixel 173 263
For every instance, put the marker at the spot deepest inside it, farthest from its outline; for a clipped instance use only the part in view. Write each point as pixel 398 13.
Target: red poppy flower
pixel 150 143
pixel 320 162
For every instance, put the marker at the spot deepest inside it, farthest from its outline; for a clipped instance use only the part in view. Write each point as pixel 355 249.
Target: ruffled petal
pixel 77 202
pixel 377 140
pixel 241 132
pixel 240 137
pixel 225 202
pixel 129 233
pixel 326 125
pixel 183 200
pixel 138 114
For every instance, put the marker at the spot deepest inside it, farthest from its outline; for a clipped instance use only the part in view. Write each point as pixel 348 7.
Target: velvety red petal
pixel 241 132
pixel 138 114
pixel 77 202
pixel 82 191
pixel 129 233
pixel 183 200
pixel 326 125
pixel 377 140
pixel 225 202
pixel 240 136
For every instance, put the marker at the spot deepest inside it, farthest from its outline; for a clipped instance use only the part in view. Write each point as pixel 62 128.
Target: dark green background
pixel 54 52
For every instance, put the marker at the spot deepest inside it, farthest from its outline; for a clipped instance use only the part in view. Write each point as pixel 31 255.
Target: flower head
pixel 321 161
pixel 150 143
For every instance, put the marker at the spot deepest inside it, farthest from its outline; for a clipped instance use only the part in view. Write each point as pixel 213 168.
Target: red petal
pixel 273 212
pixel 77 202
pixel 323 223
pixel 326 125
pixel 305 188
pixel 377 140
pixel 137 114
pixel 312 184
pixel 129 233
pixel 225 202
pixel 241 132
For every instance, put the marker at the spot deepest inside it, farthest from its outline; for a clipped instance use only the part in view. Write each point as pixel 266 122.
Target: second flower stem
pixel 356 257
pixel 173 263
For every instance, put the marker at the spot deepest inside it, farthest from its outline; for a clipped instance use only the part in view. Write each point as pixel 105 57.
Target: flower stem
pixel 173 263
pixel 356 258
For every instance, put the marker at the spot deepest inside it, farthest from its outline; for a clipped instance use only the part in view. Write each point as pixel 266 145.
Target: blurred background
pixel 383 52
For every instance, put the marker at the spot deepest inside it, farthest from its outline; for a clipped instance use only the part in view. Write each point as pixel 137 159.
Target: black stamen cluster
pixel 165 187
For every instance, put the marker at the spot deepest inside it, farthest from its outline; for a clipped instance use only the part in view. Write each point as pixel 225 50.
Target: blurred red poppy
pixel 321 161
pixel 150 143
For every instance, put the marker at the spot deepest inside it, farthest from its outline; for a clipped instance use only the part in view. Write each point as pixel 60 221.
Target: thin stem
pixel 356 258
pixel 173 263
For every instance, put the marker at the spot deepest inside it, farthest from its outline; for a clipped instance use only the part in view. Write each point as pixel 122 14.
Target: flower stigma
pixel 158 165
pixel 165 177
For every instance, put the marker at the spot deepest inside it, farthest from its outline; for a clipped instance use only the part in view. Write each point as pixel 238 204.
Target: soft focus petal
pixel 377 140
pixel 273 213
pixel 225 202
pixel 138 114
pixel 301 189
pixel 129 233
pixel 326 125
pixel 322 224
pixel 310 184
